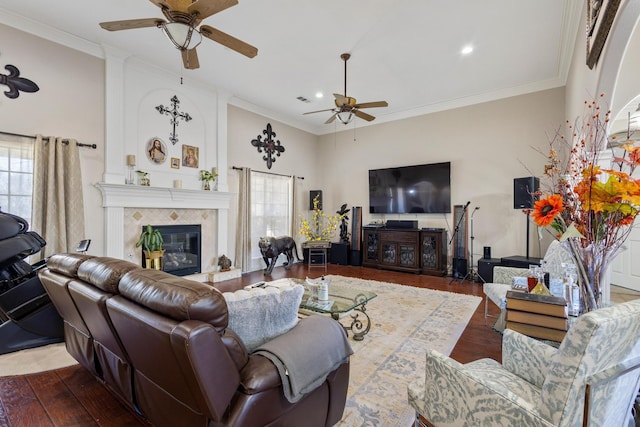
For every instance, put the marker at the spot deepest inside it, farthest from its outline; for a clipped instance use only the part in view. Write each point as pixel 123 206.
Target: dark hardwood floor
pixel 72 397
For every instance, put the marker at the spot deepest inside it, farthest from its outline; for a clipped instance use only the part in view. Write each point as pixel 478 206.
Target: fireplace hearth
pixel 182 246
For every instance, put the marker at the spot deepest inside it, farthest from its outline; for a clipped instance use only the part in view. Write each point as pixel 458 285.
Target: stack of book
pixel 539 316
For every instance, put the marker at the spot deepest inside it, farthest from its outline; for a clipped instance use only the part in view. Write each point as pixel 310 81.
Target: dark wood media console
pixel 410 250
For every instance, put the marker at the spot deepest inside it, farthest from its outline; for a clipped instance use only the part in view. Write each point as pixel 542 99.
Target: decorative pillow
pixel 259 313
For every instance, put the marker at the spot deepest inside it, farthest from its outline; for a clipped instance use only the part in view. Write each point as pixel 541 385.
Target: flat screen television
pixel 411 189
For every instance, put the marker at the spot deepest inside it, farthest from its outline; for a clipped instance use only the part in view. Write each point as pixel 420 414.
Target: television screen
pixel 411 189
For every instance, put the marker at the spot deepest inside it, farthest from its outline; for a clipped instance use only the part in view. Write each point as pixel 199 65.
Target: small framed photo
pixel 156 151
pixel 190 156
pixel 175 163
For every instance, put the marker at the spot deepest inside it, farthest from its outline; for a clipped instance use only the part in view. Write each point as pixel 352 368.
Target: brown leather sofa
pixel 161 344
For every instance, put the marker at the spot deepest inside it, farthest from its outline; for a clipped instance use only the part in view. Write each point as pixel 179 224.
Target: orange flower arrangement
pixel 591 208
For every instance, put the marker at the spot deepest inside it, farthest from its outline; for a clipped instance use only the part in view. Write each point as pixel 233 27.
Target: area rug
pixel 405 322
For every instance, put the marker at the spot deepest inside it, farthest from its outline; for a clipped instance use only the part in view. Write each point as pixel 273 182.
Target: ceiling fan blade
pixel 178 5
pixel 318 111
pixel 331 119
pixel 131 24
pixel 206 8
pixel 362 115
pixel 190 59
pixel 228 41
pixel 372 104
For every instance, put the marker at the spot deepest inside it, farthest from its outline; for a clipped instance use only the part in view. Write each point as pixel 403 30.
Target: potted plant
pixel 206 177
pixel 143 177
pixel 151 241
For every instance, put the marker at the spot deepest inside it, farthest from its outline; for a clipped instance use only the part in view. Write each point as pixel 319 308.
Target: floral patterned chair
pixel 537 384
pixel 496 291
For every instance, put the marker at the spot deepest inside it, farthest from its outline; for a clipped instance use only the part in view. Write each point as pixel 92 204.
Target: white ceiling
pixel 407 52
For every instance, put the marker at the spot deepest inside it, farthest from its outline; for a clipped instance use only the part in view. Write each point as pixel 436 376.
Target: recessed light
pixel 467 50
pixel 319 95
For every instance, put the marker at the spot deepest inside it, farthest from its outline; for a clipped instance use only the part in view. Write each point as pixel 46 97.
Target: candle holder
pixel 130 178
pixel 131 163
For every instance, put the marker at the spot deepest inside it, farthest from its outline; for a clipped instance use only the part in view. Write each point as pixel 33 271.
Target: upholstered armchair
pixel 594 371
pixel 496 291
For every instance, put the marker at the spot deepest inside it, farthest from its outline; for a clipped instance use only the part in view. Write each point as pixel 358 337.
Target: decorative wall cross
pixel 175 115
pixel 16 83
pixel 268 145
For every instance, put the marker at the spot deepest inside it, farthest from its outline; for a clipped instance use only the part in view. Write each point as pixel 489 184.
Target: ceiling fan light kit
pixel 345 117
pixel 181 35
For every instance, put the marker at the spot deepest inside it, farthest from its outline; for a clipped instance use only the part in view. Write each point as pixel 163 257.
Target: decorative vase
pixel 540 289
pixel 593 264
pixel 206 185
pixel 144 181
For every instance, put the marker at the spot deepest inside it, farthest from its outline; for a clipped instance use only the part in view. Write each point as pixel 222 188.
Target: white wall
pixel 70 104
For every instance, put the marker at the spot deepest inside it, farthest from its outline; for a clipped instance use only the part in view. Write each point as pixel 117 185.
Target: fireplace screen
pixel 182 249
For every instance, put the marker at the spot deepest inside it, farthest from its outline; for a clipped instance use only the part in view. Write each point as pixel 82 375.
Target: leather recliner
pixel 162 343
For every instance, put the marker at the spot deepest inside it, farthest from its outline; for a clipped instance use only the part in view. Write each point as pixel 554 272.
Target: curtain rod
pixel 239 168
pixel 64 141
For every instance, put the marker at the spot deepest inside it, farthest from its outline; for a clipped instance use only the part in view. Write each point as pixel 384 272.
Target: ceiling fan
pixel 347 107
pixel 183 18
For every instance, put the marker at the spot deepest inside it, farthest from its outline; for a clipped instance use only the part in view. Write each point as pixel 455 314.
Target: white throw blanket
pixel 306 354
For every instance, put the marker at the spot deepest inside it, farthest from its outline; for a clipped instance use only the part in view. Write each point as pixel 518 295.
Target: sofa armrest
pixel 526 357
pixel 454 391
pixel 306 354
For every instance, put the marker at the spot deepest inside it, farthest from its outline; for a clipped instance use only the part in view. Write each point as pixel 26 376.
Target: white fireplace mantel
pixel 137 196
pixel 117 197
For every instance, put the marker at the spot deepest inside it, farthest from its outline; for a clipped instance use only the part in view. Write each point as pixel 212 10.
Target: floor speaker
pixel 356 258
pixel 356 228
pixel 485 269
pixel 340 253
pixel 523 192
pixel 459 268
pixel 312 195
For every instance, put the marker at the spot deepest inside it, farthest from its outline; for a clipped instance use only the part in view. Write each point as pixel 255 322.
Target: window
pixel 16 175
pixel 271 211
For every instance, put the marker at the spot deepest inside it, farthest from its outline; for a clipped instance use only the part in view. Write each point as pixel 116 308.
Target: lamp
pixel 345 116
pixel 183 36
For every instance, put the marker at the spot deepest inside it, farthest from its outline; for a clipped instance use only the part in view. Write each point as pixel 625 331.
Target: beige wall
pixel 70 104
pixel 487 144
pixel 300 158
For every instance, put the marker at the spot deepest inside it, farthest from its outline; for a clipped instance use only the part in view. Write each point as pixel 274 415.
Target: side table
pixel 317 253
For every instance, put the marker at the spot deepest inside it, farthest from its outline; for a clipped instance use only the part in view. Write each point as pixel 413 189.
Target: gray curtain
pixel 58 205
pixel 243 229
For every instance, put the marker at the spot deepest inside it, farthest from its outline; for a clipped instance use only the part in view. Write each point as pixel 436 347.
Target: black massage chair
pixel 27 316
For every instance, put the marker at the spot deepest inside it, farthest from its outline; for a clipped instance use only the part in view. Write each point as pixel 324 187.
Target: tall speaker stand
pixel 471 273
pixel 456 237
pixel 528 213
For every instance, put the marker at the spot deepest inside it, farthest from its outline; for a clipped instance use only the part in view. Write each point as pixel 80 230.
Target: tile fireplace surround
pixel 129 207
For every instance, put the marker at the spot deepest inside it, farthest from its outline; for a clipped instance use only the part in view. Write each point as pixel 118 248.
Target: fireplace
pixel 182 248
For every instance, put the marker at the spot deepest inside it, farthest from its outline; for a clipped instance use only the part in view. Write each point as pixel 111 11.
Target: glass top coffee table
pixel 342 299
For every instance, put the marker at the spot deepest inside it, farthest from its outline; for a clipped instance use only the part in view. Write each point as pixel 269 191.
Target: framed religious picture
pixel 190 156
pixel 156 151
pixel 175 163
pixel 600 15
